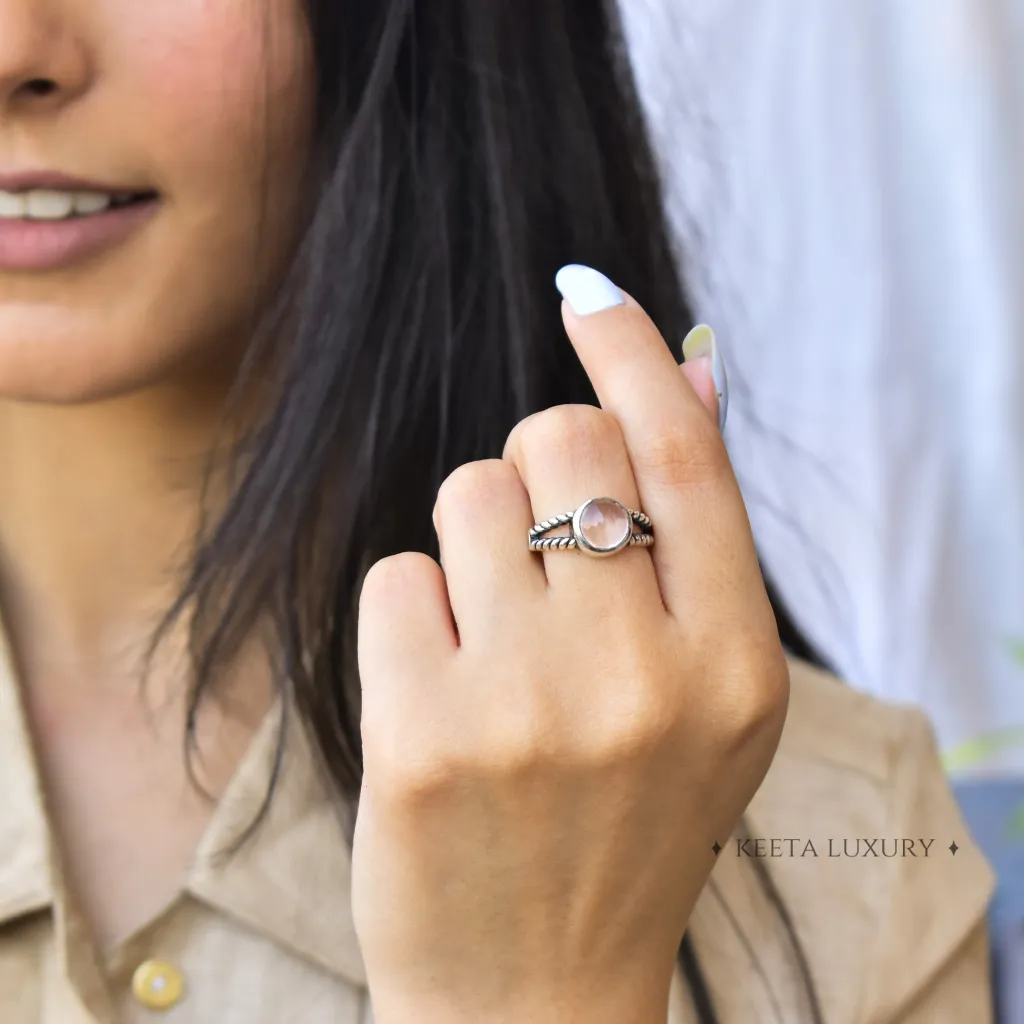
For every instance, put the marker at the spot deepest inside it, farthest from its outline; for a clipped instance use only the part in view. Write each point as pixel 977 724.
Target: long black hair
pixel 465 150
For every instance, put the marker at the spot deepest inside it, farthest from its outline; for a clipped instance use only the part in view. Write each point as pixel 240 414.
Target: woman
pixel 275 328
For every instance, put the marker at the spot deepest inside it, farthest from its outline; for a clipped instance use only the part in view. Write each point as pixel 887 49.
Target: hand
pixel 553 742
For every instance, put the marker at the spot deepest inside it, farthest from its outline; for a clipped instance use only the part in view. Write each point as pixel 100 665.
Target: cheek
pixel 213 101
pixel 225 88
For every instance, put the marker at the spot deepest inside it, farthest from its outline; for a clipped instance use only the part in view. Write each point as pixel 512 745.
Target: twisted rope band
pixel 643 540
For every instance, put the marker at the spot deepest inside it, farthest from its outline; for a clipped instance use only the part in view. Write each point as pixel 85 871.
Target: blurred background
pixel 846 180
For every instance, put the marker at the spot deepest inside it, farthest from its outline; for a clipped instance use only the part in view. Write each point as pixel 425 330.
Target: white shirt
pixel 844 178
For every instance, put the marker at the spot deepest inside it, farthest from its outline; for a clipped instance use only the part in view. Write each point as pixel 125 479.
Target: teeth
pixel 41 204
pixel 90 202
pixel 12 205
pixel 49 204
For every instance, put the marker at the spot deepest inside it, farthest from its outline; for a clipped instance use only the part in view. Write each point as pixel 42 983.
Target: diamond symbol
pixel 953 847
pixel 717 849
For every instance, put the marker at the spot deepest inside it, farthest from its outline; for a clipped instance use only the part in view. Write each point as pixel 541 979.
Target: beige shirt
pixel 267 937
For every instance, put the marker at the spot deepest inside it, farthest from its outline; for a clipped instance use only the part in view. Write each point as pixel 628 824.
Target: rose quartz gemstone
pixel 605 525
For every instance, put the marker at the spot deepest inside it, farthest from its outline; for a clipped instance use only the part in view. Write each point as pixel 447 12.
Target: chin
pixel 58 359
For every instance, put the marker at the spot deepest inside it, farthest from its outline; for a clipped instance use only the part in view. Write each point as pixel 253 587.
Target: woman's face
pixel 202 108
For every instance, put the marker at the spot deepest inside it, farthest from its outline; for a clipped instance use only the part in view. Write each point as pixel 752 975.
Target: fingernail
pixel 701 342
pixel 587 290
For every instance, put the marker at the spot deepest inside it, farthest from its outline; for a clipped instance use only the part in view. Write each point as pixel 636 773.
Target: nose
pixel 43 63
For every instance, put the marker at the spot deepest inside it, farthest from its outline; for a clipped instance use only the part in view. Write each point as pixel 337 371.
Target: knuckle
pixel 395 574
pixel 524 737
pixel 409 779
pixel 582 431
pixel 681 458
pixel 517 754
pixel 640 719
pixel 419 779
pixel 654 714
pixel 469 486
pixel 637 736
pixel 755 692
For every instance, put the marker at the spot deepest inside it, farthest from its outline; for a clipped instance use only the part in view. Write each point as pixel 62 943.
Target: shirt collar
pixel 290 881
pixel 26 879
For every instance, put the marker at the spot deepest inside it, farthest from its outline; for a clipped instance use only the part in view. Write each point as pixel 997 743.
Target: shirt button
pixel 157 985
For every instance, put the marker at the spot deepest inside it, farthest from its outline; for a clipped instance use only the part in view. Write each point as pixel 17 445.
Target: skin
pixel 552 744
pixel 638 698
pixel 112 376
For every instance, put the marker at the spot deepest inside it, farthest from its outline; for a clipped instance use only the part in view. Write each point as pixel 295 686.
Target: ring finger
pixel 566 455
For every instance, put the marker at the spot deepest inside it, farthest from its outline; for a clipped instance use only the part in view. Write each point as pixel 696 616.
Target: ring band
pixel 600 527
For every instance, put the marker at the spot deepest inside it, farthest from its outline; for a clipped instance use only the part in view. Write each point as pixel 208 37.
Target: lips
pixel 62 238
pixel 12 180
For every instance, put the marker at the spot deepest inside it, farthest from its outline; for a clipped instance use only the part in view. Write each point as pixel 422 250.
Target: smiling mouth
pixel 46 229
pixel 48 205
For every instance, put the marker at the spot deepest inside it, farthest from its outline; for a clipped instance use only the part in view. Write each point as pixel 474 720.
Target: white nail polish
pixel 701 341
pixel 587 290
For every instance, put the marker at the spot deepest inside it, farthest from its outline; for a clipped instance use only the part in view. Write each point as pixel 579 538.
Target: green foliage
pixel 974 751
pixel 1017 651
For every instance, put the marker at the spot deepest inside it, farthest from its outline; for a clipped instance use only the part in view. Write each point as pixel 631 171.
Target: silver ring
pixel 600 527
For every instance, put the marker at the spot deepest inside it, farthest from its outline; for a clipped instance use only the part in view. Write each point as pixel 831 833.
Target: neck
pixel 99 505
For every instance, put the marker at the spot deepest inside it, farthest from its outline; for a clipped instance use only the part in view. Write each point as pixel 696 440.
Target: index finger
pixel 683 475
